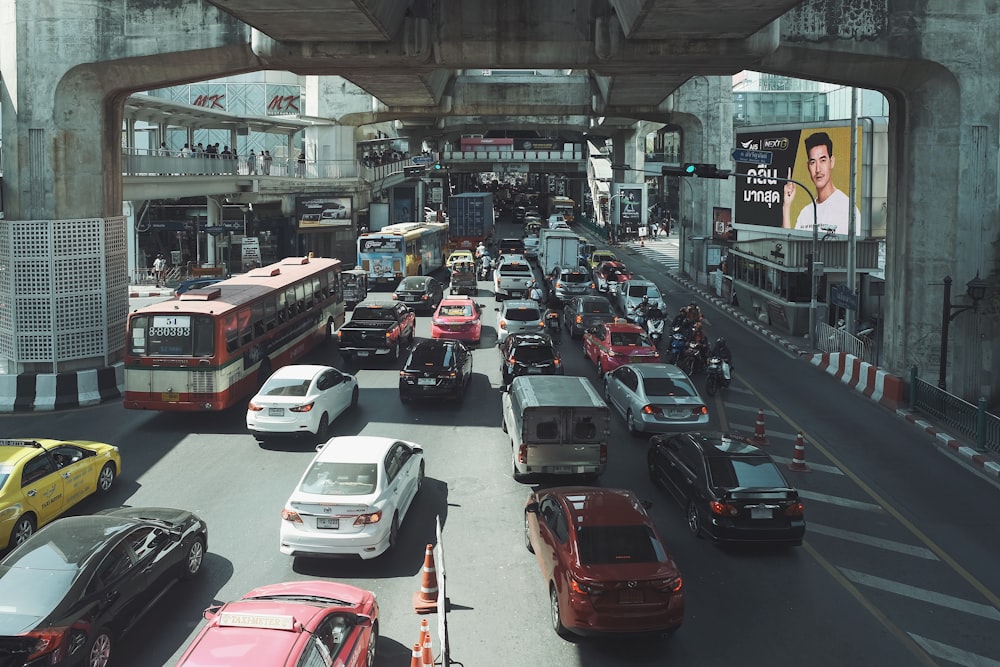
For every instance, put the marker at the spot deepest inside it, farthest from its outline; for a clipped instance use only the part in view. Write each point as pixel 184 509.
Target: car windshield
pixel 413 283
pixel 529 354
pixel 374 314
pixel 606 545
pixel 285 387
pixel 596 307
pixel 455 311
pixel 522 314
pixel 667 387
pixel 643 290
pixel 754 472
pixel 629 339
pixel 510 269
pixel 331 478
pixel 575 277
pixel 438 356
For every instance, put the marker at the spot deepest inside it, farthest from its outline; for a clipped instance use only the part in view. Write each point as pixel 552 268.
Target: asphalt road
pixel 898 568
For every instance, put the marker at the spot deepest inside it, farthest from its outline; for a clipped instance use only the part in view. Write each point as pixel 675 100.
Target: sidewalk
pixel 874 383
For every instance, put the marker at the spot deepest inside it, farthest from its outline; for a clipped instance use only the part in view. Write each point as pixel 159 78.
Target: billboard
pixel 819 159
pixel 630 207
pixel 321 211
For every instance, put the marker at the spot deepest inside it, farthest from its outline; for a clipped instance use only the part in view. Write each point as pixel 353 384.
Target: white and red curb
pixel 974 456
pixel 880 386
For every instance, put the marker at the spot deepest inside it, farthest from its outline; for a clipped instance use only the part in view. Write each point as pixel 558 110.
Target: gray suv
pixel 568 282
pixel 519 316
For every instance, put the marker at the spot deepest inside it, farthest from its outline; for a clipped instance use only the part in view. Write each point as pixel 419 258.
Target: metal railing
pixel 145 162
pixel 832 339
pixel 972 421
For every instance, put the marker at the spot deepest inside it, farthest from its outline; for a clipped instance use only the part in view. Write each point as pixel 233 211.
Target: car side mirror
pixel 531 507
pixel 210 613
pixel 496 309
pixel 646 504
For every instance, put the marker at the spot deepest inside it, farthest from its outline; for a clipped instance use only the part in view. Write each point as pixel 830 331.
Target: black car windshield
pixel 667 387
pixel 522 314
pixel 434 356
pixel 331 478
pixel 530 354
pixel 643 290
pixel 754 472
pixel 602 307
pixel 30 592
pixel 606 545
pixel 414 283
pixel 575 277
pixel 373 314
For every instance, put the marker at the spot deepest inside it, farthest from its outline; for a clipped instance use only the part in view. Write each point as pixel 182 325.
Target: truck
pixel 557 247
pixel 470 219
pixel 558 425
pixel 377 328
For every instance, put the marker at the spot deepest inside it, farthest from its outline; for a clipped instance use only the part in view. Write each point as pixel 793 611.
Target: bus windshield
pixel 172 336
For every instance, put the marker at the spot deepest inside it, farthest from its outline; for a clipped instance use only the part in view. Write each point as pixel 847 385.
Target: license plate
pixel 427 381
pixel 327 522
pixel 409 298
pixel 275 412
pixel 363 353
pixel 675 414
pixel 761 513
pixel 171 396
pixel 534 371
pixel 562 470
pixel 630 597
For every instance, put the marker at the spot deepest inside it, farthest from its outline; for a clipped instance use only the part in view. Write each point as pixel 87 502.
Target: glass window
pixel 269 313
pixel 547 430
pixel 36 469
pixel 667 387
pixel 522 314
pixel 258 318
pixel 755 472
pixel 607 545
pixel 584 429
pixel 315 655
pixel 114 565
pixel 232 333
pixel 331 478
pixel 246 330
pixel 142 542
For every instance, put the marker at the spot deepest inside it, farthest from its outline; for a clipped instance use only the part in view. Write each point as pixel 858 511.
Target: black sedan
pixel 73 588
pixel 436 368
pixel 730 490
pixel 583 312
pixel 419 293
pixel 528 354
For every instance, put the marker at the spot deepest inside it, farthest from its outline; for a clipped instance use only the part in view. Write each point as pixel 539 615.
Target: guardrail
pixel 145 162
pixel 832 339
pixel 973 421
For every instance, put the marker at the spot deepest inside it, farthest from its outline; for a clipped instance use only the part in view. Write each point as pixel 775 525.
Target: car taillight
pixel 541 323
pixel 557 361
pixel 289 515
pixel 723 509
pixel 395 296
pixel 340 334
pixel 604 454
pixel 503 324
pixel 699 410
pixel 405 374
pixel 579 319
pixel 425 297
pixel 253 407
pixel 672 584
pixel 511 360
pixel 579 587
pixel 651 410
pixel 559 285
pixel 592 285
pixel 302 408
pixel 452 374
pixel 367 519
pixel 47 640
pixel 522 454
pixel 795 509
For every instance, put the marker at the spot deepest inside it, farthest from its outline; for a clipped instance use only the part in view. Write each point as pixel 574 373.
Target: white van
pixel 558 424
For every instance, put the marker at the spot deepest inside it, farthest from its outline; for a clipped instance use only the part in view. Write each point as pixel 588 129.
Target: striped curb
pixel 42 392
pixel 986 462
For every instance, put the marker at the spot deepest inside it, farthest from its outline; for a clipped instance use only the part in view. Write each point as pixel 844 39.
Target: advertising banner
pixel 817 157
pixel 403 202
pixel 722 224
pixel 317 211
pixel 629 207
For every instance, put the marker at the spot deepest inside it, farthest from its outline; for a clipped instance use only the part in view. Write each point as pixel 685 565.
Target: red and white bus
pixel 211 347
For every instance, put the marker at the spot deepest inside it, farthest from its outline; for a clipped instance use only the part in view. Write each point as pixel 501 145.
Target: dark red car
pixel 610 272
pixel 613 344
pixel 606 568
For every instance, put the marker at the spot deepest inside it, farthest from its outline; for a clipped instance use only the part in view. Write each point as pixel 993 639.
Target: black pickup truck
pixel 377 328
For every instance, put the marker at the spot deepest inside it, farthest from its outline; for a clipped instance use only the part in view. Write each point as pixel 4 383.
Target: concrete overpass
pixel 68 69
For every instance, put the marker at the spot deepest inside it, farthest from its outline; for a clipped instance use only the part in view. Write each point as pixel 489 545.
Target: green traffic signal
pixel 690 168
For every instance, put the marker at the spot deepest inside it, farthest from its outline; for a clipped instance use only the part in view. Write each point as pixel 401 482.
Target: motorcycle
pixel 716 379
pixel 485 270
pixel 553 324
pixel 693 359
pixel 654 327
pixel 678 340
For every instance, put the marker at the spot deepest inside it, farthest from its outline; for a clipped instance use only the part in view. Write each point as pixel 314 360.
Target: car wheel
pixel 23 529
pixel 527 536
pixel 393 532
pixel 372 643
pixel 323 430
pixel 694 519
pixel 557 623
pixel 99 651
pixel 630 424
pixel 106 478
pixel 194 558
pixel 354 397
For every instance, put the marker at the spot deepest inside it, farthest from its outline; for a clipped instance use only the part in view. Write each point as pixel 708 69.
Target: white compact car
pixel 352 498
pixel 301 401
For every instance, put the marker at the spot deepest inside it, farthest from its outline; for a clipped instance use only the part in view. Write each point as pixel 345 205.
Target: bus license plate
pixel 170 396
pixel 275 412
pixel 327 522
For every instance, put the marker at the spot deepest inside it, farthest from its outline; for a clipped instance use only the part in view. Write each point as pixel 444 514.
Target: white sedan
pixel 352 498
pixel 301 400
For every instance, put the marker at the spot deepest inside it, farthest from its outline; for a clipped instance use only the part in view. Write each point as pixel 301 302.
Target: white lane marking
pixel 815 466
pixel 953 654
pixel 842 502
pixel 922 594
pixel 880 542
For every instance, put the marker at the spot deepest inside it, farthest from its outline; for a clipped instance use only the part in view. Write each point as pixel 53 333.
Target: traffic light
pixel 705 170
pixel 439 167
pixel 675 171
pixel 414 171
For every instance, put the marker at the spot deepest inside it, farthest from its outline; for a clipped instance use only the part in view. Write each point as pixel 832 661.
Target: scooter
pixel 654 326
pixel 553 324
pixel 678 340
pixel 716 380
pixel 693 359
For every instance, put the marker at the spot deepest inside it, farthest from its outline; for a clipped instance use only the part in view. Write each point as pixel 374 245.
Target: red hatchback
pixel 613 344
pixel 458 318
pixel 604 564
pixel 289 625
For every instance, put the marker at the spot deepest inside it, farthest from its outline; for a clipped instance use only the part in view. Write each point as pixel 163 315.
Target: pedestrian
pixel 266 162
pixel 164 151
pixel 186 151
pixel 159 269
pixel 302 164
pixel 252 162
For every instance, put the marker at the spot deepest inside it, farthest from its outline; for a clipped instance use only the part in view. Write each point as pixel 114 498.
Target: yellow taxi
pixel 459 256
pixel 40 479
pixel 599 256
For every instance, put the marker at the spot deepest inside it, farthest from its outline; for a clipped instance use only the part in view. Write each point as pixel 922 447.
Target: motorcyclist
pixel 485 266
pixel 552 301
pixel 721 350
pixel 641 309
pixel 699 337
pixel 693 312
pixel 481 249
pixel 536 293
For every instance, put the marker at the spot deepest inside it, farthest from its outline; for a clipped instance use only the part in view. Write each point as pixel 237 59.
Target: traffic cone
pixel 759 437
pixel 427 654
pixel 798 463
pixel 425 602
pixel 416 659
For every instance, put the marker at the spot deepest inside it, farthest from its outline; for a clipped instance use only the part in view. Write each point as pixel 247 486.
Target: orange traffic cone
pixel 416 659
pixel 425 602
pixel 427 655
pixel 759 437
pixel 798 463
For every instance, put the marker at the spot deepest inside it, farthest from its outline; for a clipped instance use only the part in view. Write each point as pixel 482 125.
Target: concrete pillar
pixel 213 218
pixel 334 146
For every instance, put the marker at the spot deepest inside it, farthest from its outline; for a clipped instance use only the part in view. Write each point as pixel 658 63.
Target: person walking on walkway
pixel 252 162
pixel 266 163
pixel 302 165
pixel 159 269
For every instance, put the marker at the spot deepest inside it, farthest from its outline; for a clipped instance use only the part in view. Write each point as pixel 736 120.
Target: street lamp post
pixel 976 290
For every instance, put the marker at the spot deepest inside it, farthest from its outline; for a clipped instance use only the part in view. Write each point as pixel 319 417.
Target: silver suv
pixel 519 316
pixel 569 282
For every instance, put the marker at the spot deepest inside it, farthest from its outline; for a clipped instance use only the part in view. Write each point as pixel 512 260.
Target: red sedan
pixel 458 318
pixel 615 344
pixel 608 273
pixel 288 625
pixel 603 562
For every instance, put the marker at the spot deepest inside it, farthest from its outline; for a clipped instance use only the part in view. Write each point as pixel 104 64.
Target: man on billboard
pixel 832 205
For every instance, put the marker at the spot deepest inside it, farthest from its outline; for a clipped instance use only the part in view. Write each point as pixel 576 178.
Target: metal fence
pixel 833 339
pixel 973 421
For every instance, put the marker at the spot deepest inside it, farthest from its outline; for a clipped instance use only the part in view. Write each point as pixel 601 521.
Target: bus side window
pixel 232 333
pixel 317 289
pixel 324 284
pixel 246 331
pixel 300 297
pixel 258 319
pixel 269 314
pixel 290 302
pixel 336 286
pixel 282 313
